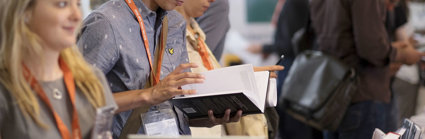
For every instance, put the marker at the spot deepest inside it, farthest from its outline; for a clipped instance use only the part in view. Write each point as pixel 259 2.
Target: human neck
pixel 151 4
pixel 45 68
pixel 181 10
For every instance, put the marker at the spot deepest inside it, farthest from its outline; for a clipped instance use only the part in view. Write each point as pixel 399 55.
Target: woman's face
pixel 196 8
pixel 169 4
pixel 55 22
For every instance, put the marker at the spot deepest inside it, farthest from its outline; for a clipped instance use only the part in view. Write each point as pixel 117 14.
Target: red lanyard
pixel 136 12
pixel 69 82
pixel 202 50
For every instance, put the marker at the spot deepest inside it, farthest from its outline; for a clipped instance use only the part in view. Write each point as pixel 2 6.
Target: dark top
pixel 354 31
pixel 293 17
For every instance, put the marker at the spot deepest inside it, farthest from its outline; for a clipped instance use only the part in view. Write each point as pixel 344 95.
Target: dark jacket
pixel 354 31
pixel 294 16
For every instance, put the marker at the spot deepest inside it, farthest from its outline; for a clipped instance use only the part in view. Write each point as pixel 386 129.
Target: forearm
pixel 128 100
pixel 370 34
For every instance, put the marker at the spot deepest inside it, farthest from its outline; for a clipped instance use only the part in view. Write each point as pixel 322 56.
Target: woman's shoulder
pixel 107 91
pixel 5 95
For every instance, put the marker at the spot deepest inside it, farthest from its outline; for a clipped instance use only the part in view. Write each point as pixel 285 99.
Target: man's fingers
pixel 226 116
pixel 269 68
pixel 182 92
pixel 273 75
pixel 182 67
pixel 212 117
pixel 187 75
pixel 187 81
pixel 237 117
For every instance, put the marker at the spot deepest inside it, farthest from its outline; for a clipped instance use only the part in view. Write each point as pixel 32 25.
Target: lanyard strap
pixel 202 50
pixel 134 121
pixel 136 12
pixel 69 82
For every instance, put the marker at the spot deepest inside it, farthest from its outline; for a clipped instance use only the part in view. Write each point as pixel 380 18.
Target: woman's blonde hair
pixel 18 41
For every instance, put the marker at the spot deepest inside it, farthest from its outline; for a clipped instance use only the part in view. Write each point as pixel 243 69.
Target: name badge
pixel 103 124
pixel 160 122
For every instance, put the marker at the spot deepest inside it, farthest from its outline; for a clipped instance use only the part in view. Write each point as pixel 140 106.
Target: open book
pixel 235 88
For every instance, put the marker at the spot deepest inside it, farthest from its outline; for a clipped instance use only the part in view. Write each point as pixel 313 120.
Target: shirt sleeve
pixel 97 42
pixel 370 35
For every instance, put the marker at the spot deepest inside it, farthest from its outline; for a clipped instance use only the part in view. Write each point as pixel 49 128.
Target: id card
pixel 160 122
pixel 103 123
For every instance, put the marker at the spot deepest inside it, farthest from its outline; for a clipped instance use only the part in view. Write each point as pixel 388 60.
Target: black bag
pixel 318 88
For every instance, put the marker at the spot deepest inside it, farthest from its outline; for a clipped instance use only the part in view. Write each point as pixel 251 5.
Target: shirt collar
pixel 196 29
pixel 146 12
pixel 192 37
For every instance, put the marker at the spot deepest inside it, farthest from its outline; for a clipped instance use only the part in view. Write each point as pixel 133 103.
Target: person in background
pixel 94 4
pixel 200 54
pixel 404 93
pixel 123 38
pixel 354 31
pixel 47 89
pixel 291 16
pixel 215 23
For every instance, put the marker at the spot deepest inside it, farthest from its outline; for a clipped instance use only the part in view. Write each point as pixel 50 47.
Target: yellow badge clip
pixel 171 51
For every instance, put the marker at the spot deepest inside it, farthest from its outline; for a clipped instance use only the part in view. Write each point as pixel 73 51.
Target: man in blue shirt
pixel 111 40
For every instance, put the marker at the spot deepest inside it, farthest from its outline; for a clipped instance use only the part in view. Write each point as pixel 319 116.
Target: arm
pixel 98 44
pixel 371 37
pixel 212 120
pixel 369 31
pixel 166 89
pixel 276 13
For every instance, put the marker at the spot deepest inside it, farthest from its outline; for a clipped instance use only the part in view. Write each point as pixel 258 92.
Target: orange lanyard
pixel 136 12
pixel 69 82
pixel 202 50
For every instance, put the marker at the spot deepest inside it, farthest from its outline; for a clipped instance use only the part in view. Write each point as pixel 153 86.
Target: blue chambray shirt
pixel 111 40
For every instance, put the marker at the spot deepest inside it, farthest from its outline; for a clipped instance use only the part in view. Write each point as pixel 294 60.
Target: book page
pixel 271 100
pixel 262 81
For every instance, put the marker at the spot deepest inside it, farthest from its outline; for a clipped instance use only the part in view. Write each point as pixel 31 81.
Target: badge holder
pixel 103 124
pixel 160 122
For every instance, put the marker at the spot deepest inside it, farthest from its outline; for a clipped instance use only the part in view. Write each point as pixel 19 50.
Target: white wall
pixel 258 32
pixel 242 34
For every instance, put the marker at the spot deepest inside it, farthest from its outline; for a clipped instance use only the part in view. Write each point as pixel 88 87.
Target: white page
pixel 262 79
pixel 378 134
pixel 210 94
pixel 235 78
pixel 271 100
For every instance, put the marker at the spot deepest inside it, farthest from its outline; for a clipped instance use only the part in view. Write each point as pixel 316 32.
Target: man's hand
pixel 271 69
pixel 394 67
pixel 168 87
pixel 255 48
pixel 213 121
pixel 225 119
pixel 406 53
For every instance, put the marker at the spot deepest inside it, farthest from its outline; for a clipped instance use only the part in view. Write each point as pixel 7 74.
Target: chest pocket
pixel 172 56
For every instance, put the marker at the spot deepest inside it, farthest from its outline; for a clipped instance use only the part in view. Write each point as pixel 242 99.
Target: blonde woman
pixel 199 53
pixel 47 90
